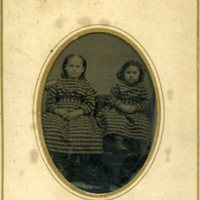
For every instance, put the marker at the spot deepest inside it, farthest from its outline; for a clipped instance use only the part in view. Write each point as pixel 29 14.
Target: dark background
pixel 105 54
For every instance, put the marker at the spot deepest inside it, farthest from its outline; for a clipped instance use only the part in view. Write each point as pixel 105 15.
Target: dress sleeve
pixel 143 101
pixel 89 103
pixel 114 98
pixel 51 101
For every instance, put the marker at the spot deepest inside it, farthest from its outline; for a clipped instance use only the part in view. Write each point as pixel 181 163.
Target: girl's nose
pixel 73 68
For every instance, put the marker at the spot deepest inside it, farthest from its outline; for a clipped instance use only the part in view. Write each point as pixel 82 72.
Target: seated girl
pixel 124 120
pixel 70 130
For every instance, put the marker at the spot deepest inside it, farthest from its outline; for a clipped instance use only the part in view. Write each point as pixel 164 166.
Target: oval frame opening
pixel 39 90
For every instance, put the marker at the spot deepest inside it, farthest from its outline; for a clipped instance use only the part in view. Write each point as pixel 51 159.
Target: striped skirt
pixel 76 136
pixel 134 126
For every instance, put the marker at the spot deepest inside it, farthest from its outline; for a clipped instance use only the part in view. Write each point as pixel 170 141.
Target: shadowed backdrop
pixel 105 54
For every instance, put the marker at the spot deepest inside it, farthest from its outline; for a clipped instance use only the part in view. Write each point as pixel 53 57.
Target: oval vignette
pixel 99 110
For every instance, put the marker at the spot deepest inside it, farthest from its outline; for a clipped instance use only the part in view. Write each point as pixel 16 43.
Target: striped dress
pixel 136 125
pixel 80 135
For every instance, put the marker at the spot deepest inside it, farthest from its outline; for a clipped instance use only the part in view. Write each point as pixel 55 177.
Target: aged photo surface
pixel 99 112
pixel 86 151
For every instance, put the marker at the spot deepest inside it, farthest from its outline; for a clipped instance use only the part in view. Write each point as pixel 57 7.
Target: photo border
pixel 2 101
pixel 54 53
pixel 198 96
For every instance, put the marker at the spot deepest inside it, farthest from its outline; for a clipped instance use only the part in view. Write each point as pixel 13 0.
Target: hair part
pixel 120 73
pixel 65 62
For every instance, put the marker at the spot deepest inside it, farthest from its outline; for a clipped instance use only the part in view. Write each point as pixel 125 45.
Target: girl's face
pixel 74 67
pixel 131 74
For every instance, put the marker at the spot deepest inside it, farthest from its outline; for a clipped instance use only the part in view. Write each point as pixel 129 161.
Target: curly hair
pixel 120 73
pixel 64 72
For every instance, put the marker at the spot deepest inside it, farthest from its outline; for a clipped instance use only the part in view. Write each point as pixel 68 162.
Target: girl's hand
pixel 61 112
pixel 74 114
pixel 127 108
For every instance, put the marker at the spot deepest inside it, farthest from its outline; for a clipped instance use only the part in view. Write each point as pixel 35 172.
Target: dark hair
pixel 64 72
pixel 120 73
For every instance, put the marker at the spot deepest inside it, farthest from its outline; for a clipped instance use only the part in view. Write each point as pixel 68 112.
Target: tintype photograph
pixel 99 113
pixel 100 100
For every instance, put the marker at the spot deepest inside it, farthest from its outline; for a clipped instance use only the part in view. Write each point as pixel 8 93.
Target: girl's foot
pixel 120 143
pixel 122 148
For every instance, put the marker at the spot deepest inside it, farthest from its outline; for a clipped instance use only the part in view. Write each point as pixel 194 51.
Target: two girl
pixel 71 132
